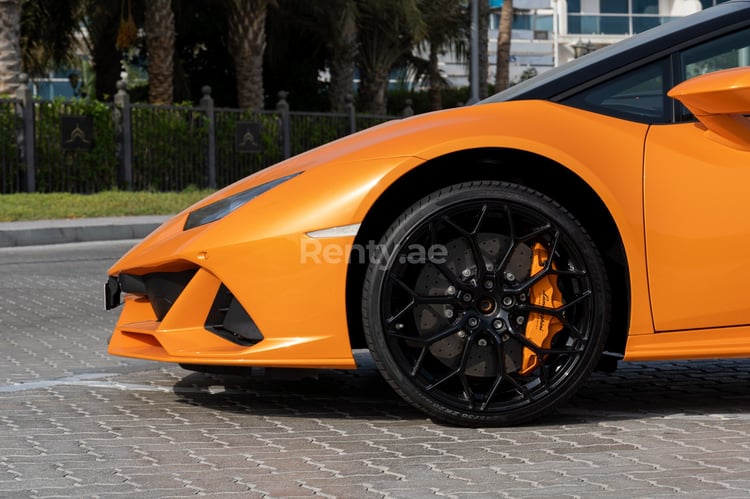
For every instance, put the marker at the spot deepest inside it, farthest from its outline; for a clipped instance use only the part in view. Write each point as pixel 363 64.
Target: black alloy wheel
pixel 486 303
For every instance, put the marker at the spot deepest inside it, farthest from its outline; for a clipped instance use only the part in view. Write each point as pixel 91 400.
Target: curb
pixel 42 232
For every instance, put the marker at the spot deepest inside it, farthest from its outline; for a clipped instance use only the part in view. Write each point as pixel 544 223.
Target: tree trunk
pixel 436 83
pixel 343 54
pixel 160 43
pixel 502 74
pixel 247 39
pixel 373 87
pixel 10 45
pixel 484 18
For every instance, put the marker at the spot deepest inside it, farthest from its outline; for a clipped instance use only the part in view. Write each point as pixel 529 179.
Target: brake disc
pixel 431 319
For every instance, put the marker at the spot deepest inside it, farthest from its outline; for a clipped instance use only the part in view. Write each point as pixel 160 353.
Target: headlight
pixel 220 209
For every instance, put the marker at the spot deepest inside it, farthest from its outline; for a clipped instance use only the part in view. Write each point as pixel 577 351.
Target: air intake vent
pixel 228 319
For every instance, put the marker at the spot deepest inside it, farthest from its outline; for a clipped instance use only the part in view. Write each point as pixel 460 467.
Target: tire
pixel 485 304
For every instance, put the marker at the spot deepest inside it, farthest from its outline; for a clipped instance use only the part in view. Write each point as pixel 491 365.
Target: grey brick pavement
pixel 75 422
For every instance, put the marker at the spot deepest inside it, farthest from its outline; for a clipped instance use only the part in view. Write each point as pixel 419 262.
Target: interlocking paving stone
pixel 75 422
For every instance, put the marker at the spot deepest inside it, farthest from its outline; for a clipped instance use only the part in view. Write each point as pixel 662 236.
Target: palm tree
pixel 10 45
pixel 160 47
pixel 48 34
pixel 334 22
pixel 446 24
pixel 342 45
pixel 388 30
pixel 502 72
pixel 247 42
pixel 101 24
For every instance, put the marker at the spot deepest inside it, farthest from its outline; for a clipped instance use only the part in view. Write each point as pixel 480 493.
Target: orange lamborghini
pixel 489 257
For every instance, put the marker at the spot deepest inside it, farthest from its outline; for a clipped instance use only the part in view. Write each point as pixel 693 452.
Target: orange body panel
pixel 259 250
pixel 697 229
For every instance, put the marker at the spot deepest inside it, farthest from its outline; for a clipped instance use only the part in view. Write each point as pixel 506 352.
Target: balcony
pixel 613 24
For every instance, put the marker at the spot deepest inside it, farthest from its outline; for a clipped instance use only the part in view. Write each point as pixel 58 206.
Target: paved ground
pixel 75 422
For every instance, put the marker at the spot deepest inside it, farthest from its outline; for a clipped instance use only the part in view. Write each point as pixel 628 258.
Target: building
pixel 547 33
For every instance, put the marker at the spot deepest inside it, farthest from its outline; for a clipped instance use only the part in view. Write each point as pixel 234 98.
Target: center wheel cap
pixel 486 305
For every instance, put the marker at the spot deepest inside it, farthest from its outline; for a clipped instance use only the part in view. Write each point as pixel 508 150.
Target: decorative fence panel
pixel 87 146
pixel 239 155
pixel 80 160
pixel 169 145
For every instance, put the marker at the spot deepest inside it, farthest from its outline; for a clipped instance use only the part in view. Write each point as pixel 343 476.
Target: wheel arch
pixel 509 165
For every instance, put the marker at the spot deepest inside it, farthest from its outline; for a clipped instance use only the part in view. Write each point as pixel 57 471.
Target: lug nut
pixel 498 324
pixel 466 297
pixel 507 301
pixel 473 322
pixel 488 284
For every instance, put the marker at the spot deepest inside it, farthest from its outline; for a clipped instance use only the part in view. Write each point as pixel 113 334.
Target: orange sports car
pixel 489 257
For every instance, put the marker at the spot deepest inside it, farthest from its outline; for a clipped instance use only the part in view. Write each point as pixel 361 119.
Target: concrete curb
pixel 40 232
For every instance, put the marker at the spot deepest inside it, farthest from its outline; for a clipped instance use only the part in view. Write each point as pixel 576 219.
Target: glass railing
pixel 613 24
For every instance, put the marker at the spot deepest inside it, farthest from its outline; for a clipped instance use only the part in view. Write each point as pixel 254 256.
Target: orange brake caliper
pixel 541 328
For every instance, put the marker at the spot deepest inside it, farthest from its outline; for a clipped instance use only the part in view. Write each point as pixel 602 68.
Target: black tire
pixel 499 343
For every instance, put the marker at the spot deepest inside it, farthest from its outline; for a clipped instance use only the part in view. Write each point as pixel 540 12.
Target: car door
pixel 697 209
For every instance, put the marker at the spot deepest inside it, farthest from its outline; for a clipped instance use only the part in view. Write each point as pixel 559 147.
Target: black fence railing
pixel 10 171
pixel 87 146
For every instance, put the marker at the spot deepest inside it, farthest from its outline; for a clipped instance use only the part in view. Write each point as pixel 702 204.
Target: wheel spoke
pixel 453 279
pixel 540 351
pixel 458 371
pixel 426 342
pixel 535 233
pixel 471 238
pixel 555 312
pixel 420 361
pixel 417 299
pixel 498 379
pixel 393 318
pixel 545 270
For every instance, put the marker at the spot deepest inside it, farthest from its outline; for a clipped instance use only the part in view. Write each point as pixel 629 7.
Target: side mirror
pixel 720 101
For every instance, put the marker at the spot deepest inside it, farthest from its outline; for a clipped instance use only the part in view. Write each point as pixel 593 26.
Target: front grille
pixel 228 319
pixel 161 288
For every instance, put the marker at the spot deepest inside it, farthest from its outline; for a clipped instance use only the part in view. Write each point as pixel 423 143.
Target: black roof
pixel 578 74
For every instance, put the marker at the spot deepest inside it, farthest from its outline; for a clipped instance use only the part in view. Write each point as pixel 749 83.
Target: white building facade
pixel 547 33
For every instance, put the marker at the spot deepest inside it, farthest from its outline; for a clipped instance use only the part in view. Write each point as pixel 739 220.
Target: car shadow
pixel 634 391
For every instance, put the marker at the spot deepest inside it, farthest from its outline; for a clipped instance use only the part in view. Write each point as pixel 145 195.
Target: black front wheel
pixel 486 303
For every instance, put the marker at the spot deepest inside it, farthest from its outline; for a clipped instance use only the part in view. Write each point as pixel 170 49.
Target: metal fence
pixel 87 146
pixel 10 171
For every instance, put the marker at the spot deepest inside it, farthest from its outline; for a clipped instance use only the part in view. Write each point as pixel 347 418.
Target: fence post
pixel 123 136
pixel 349 106
pixel 207 103
pixel 25 137
pixel 282 106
